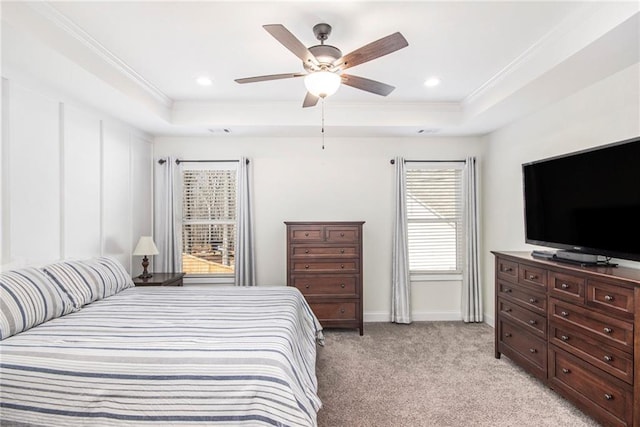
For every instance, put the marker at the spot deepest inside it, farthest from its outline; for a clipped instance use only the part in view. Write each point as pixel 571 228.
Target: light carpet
pixel 431 374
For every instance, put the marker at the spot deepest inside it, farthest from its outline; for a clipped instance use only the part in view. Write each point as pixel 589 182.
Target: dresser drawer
pixel 342 234
pixel 524 296
pixel 530 275
pixel 327 285
pixel 533 322
pixel 507 269
pixel 611 360
pixel 315 251
pixel 614 332
pixel 608 398
pixel 566 286
pixel 306 233
pixel 334 310
pixel 526 344
pixel 616 300
pixel 342 266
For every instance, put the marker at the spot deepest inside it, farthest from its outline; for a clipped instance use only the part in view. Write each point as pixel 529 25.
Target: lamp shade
pixel 322 83
pixel 145 246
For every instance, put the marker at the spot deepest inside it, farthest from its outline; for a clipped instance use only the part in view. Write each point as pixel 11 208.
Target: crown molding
pixel 71 28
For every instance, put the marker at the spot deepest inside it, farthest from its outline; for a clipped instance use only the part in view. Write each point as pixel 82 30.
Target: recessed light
pixel 204 81
pixel 432 82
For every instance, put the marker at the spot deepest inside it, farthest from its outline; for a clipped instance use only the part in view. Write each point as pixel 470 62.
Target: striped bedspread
pixel 167 356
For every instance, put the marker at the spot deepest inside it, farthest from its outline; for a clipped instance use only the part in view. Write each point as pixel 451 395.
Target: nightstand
pixel 160 279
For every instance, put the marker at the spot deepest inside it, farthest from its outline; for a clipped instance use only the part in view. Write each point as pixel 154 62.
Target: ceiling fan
pixel 324 64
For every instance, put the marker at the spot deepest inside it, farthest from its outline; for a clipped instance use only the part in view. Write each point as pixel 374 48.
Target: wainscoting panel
pixel 69 178
pixel 117 196
pixel 81 163
pixel 34 175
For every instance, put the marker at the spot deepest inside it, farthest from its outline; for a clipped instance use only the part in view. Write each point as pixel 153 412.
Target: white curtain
pixel 471 289
pixel 245 271
pixel 401 286
pixel 167 231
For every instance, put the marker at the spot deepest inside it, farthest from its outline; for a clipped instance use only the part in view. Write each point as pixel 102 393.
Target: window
pixel 434 216
pixel 208 219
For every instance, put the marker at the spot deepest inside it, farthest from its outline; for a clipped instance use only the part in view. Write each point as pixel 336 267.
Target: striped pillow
pixel 89 280
pixel 120 278
pixel 27 299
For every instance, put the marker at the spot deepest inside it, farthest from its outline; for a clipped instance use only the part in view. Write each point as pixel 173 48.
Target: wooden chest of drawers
pixel 324 261
pixel 575 328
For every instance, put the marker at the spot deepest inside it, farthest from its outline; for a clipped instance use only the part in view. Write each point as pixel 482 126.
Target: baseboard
pixel 489 320
pixel 424 316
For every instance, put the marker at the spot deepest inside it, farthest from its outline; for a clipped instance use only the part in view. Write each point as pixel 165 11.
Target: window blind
pixel 434 217
pixel 208 220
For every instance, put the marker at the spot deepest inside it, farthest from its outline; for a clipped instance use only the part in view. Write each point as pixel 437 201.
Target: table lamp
pixel 145 247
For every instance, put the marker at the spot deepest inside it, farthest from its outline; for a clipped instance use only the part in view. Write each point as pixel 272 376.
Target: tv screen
pixel 587 201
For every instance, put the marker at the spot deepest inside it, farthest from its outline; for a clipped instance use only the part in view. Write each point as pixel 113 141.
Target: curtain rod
pixel 393 161
pixel 178 161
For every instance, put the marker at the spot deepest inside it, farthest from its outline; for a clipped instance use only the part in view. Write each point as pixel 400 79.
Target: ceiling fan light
pixel 322 83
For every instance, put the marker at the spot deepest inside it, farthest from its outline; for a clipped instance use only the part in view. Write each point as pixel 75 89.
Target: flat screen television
pixel 586 202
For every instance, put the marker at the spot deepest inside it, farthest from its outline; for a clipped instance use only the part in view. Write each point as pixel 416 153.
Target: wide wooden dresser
pixel 575 328
pixel 324 261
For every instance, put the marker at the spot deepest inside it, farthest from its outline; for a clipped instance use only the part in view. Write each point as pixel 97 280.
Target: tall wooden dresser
pixel 324 261
pixel 575 328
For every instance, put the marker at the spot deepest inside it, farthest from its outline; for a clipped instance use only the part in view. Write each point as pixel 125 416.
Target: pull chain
pixel 323 123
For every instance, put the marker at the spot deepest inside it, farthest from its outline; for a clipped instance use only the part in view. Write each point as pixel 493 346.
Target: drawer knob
pixel 608 396
pixel 564 313
pixel 306 266
pixel 341 234
pixel 608 358
pixel 507 310
pixel 306 234
pixel 533 350
pixel 608 330
pixel 564 286
pixel 508 269
pixel 341 251
pixel 507 290
pixel 507 335
pixel 307 286
pixel 533 300
pixel 341 265
pixel 532 277
pixel 565 371
pixel 306 251
pixel 342 285
pixel 342 310
pixel 532 322
pixel 564 338
pixel 608 298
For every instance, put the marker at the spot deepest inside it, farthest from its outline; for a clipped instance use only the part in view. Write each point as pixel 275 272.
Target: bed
pixel 167 356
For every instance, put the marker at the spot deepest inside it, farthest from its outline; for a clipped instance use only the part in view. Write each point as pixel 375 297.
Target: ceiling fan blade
pixel 373 50
pixel 367 84
pixel 310 100
pixel 269 77
pixel 288 40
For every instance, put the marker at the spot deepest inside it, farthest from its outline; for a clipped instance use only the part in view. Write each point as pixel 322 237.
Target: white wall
pixel 351 180
pixel 75 183
pixel 605 112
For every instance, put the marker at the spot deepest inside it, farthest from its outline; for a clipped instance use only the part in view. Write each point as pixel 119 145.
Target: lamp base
pixel 145 273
